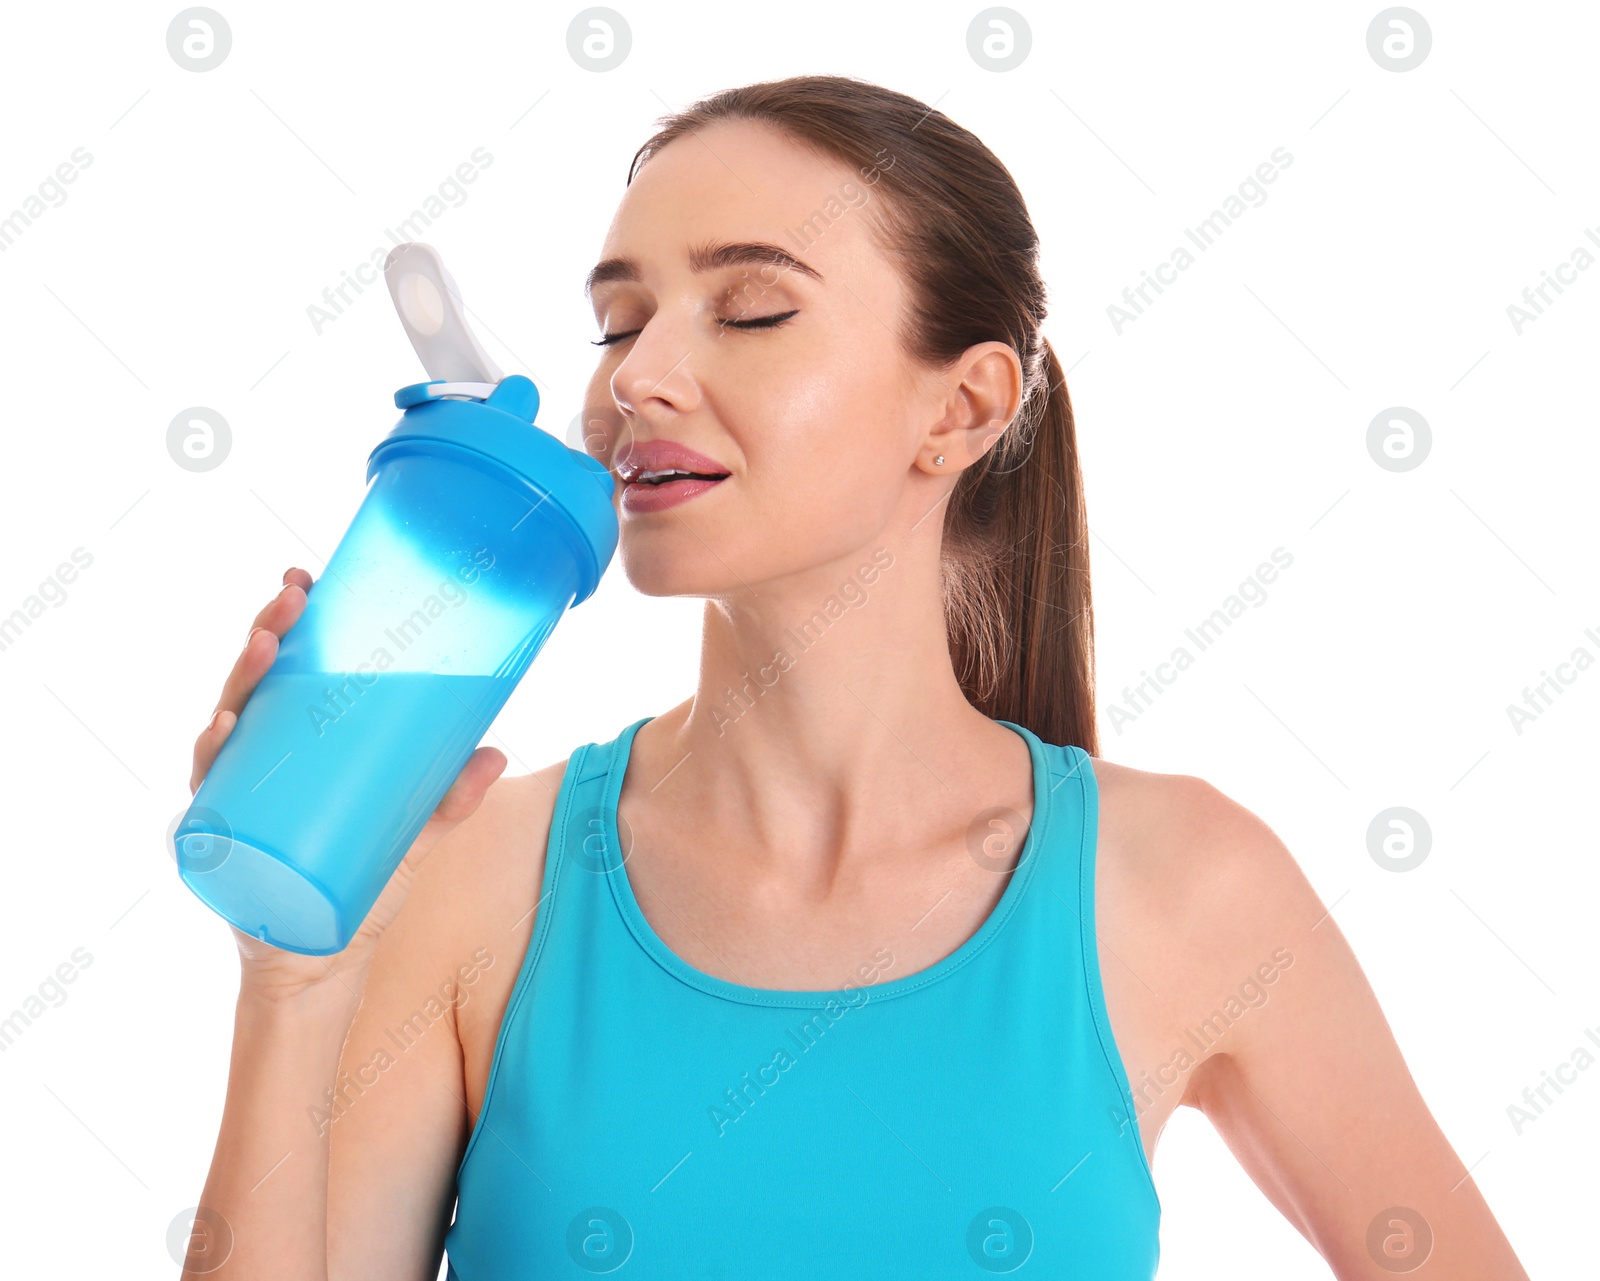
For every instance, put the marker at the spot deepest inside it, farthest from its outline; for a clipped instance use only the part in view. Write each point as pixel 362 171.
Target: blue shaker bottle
pixel 477 532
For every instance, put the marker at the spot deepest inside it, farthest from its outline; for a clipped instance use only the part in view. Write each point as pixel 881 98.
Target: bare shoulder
pixel 473 906
pixel 498 853
pixel 493 878
pixel 490 859
pixel 1196 898
pixel 1194 835
pixel 1239 995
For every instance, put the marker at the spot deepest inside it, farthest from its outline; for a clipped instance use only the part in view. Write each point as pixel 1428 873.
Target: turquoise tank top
pixel 646 1118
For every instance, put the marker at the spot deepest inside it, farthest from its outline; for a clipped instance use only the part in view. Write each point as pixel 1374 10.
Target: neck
pixel 827 712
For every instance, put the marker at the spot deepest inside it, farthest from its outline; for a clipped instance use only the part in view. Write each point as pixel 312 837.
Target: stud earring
pixel 939 461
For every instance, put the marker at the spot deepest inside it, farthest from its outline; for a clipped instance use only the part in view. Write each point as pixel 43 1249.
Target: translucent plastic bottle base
pixel 260 895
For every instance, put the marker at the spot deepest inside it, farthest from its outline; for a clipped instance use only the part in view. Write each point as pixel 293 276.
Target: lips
pixel 662 455
pixel 639 498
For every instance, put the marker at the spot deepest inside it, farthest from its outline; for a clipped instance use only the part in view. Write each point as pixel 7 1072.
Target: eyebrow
pixel 706 257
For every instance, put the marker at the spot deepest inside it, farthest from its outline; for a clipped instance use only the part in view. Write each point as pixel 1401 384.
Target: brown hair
pixel 1015 553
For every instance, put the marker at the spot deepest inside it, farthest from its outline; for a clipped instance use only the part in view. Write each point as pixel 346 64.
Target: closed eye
pixel 761 322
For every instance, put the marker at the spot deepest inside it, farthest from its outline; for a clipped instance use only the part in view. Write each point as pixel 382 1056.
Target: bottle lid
pixel 496 420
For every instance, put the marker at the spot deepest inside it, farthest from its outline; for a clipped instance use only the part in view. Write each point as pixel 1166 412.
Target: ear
pixel 984 392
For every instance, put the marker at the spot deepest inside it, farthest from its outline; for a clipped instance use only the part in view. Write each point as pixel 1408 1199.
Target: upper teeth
pixel 666 471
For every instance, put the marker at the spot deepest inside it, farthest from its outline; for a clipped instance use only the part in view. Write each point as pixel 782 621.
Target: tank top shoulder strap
pixel 576 837
pixel 1070 872
pixel 595 785
pixel 1066 838
pixel 579 836
pixel 565 914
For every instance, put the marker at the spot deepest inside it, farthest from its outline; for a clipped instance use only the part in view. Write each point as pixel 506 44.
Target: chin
pixel 676 571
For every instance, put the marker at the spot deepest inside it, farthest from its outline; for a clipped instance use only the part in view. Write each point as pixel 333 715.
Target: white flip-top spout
pixel 430 308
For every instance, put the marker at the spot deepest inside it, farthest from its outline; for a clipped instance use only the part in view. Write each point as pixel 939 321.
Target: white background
pixel 1230 419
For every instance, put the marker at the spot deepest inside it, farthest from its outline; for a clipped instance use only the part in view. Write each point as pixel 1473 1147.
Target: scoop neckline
pixel 616 873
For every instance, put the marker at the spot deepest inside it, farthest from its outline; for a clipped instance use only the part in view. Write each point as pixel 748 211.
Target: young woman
pixel 860 961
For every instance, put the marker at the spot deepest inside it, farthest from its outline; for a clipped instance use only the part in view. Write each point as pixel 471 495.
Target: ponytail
pixel 1016 574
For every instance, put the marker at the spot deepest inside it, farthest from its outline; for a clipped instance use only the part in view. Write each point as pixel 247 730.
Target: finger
pixel 257 656
pixel 271 614
pixel 467 792
pixel 207 745
pixel 461 800
pixel 261 646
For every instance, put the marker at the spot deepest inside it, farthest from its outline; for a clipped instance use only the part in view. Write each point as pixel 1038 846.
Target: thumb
pixel 467 792
pixel 460 802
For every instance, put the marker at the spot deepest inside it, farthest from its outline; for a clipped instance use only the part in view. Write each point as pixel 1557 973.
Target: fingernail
pixel 250 638
pixel 212 724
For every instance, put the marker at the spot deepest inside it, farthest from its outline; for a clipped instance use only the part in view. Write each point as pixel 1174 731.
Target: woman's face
pixel 819 419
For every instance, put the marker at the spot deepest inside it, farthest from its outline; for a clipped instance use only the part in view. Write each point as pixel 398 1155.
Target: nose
pixel 657 373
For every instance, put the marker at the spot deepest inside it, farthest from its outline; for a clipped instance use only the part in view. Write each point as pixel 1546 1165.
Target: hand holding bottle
pixel 273 972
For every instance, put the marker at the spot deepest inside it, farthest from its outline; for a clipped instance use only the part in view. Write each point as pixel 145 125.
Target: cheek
pixel 823 477
pixel 815 410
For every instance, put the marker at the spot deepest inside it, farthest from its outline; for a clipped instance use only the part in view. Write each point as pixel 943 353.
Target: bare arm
pixel 401 1113
pixel 264 1208
pixel 263 1211
pixel 1310 1090
pixel 368 1098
